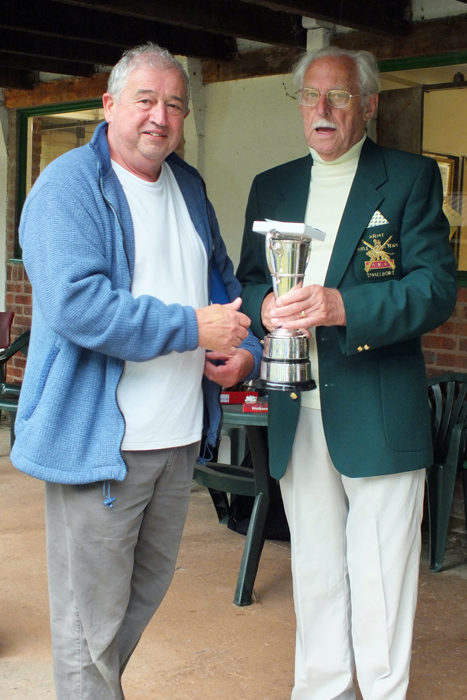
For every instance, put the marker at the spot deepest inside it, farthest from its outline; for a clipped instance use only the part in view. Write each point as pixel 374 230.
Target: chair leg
pixel 464 483
pixel 252 550
pixel 12 428
pixel 440 482
pixel 221 504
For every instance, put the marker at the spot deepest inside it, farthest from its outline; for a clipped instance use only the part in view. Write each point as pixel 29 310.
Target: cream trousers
pixel 355 561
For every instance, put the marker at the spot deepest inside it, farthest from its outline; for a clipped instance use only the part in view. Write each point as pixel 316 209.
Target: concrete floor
pixel 199 645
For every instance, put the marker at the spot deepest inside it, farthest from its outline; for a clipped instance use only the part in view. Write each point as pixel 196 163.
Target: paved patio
pixel 200 646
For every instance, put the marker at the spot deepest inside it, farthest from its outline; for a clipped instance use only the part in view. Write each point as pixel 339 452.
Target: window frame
pixel 23 115
pixel 432 61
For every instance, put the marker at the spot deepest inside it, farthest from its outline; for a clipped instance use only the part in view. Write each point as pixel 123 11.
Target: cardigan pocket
pixel 41 383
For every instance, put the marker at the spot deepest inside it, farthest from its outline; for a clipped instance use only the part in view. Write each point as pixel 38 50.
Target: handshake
pixel 221 329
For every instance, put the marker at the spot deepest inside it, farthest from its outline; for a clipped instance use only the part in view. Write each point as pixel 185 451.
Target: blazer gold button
pixel 293 395
pixel 359 349
pixel 366 347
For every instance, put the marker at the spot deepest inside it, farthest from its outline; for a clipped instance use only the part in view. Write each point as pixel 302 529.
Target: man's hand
pixel 312 305
pixel 222 328
pixel 235 368
pixel 269 303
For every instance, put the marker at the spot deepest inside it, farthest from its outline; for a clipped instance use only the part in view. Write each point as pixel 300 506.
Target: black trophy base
pixel 305 385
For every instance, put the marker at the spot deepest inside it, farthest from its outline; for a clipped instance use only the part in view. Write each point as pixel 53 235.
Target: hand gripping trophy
pixel 286 364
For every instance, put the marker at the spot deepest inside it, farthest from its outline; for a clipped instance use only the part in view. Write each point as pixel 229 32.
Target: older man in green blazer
pixel 351 454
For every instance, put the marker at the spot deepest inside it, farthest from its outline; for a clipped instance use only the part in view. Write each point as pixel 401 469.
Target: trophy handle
pixel 269 237
pixel 307 257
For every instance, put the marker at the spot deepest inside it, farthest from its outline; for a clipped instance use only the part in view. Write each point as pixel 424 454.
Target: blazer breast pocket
pixel 377 256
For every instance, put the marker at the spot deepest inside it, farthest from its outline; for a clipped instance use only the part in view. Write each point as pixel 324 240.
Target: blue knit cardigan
pixel 78 250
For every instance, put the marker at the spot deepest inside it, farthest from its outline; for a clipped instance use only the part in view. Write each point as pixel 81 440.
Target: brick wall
pixel 445 348
pixel 18 296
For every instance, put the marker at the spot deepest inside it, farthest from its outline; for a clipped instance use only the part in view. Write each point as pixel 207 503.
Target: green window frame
pixel 23 116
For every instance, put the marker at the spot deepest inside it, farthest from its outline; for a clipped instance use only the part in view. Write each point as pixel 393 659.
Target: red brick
pixel 431 371
pixel 459 361
pixel 451 328
pixel 430 357
pixel 24 299
pixel 23 321
pixel 13 370
pixel 440 341
pixel 462 294
pixel 463 345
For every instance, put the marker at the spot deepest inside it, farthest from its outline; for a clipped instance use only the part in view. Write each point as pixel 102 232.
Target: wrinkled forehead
pixel 153 78
pixel 330 72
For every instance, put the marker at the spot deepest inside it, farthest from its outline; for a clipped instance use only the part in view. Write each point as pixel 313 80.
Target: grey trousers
pixel 109 568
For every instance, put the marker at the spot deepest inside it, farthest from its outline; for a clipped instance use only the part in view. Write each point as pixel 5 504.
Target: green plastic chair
pixel 447 395
pixel 223 480
pixel 9 391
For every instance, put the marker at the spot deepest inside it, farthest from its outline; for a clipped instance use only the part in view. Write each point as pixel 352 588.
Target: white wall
pixel 249 126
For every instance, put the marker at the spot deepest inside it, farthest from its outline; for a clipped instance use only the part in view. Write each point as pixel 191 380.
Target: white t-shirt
pixel 161 399
pixel 329 190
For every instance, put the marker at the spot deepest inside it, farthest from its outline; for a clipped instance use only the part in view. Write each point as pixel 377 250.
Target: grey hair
pixel 365 63
pixel 149 54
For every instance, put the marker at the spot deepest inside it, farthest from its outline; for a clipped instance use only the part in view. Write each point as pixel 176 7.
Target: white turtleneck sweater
pixel 329 190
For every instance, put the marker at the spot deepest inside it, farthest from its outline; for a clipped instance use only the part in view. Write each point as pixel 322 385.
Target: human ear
pixel 108 103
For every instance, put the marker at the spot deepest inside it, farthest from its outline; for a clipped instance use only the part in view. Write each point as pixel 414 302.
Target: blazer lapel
pixel 364 199
pixel 291 206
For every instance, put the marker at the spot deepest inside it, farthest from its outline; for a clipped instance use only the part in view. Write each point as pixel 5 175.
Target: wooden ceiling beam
pixel 381 16
pixel 422 39
pixel 78 23
pixel 41 63
pixel 55 92
pixel 15 78
pixel 232 18
pixel 28 44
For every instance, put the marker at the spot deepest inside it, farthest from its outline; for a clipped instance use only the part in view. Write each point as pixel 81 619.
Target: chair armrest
pixel 10 388
pixel 19 344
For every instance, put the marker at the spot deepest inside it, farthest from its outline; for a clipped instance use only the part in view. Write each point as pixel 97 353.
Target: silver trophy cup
pixel 286 364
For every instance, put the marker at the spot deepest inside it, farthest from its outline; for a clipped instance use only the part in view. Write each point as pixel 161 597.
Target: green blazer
pixel 371 372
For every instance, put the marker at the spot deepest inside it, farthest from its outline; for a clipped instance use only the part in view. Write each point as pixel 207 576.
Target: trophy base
pixel 286 365
pixel 307 385
pixel 286 375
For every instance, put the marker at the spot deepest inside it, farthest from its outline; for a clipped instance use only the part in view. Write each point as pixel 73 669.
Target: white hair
pixel 149 54
pixel 365 63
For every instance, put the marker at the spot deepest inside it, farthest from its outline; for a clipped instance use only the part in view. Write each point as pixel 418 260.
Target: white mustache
pixel 324 124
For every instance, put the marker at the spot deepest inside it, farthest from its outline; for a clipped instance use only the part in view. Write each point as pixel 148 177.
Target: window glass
pixel 51 135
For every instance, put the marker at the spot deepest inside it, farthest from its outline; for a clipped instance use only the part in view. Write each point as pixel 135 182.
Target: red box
pixel 236 396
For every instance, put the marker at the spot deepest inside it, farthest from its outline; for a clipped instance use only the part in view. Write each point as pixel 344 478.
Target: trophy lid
pixel 288 228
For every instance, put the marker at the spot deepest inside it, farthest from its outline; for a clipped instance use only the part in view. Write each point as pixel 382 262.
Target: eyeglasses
pixel 309 97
